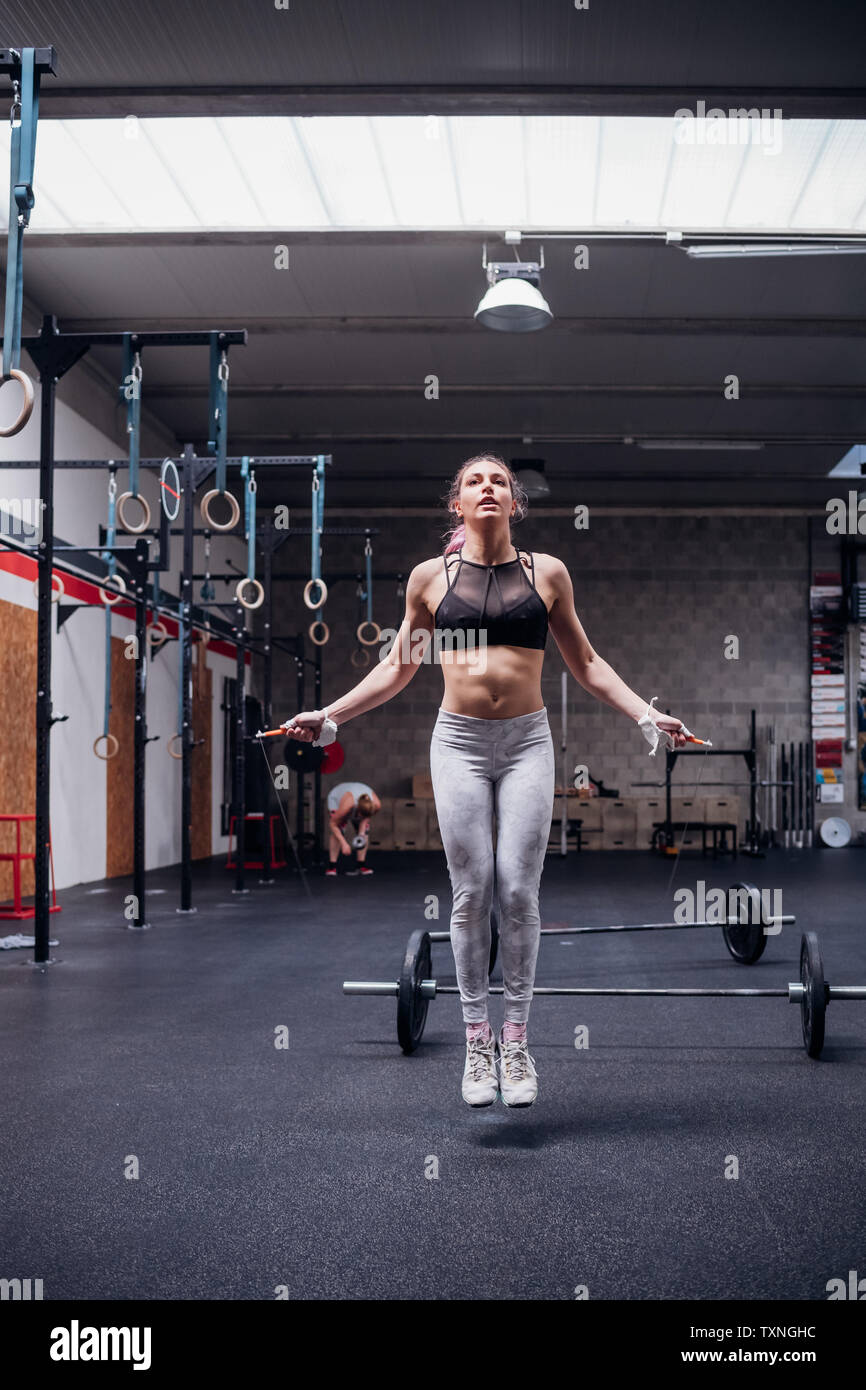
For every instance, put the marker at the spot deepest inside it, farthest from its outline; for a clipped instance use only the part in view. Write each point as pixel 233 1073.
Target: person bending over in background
pixel 351 804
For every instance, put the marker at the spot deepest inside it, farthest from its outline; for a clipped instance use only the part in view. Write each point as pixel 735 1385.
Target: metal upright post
pixel 239 789
pixel 317 775
pixel 563 827
pixel 299 805
pixel 267 874
pixel 185 636
pixel 44 721
pixel 670 762
pixel 140 736
pixel 752 764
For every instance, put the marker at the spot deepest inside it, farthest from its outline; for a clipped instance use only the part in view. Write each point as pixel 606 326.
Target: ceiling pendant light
pixel 514 302
pixel 530 475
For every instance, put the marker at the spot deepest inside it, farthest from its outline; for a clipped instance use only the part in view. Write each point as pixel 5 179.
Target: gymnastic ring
pixel 250 603
pixel 319 641
pixel 145 508
pixel 324 591
pixel 368 641
pixel 204 507
pixel 56 594
pixel 174 738
pixel 109 739
pixel 111 599
pixel 27 407
pixel 162 634
pixel 363 654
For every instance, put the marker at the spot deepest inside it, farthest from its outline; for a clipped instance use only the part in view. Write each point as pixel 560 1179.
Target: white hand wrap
pixel 328 733
pixel 651 731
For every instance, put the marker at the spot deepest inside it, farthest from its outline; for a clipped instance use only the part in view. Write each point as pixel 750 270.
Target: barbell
pixel 415 989
pixel 744 931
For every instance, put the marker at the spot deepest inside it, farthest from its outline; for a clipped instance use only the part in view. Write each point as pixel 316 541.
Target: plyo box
pixel 410 823
pixel 382 825
pixel 618 824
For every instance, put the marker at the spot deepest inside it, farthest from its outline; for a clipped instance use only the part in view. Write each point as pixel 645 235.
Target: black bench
pixel 713 828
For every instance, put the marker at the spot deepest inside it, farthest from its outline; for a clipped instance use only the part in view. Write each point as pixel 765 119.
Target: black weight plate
pixel 302 757
pixel 494 940
pixel 411 1004
pixel 813 1005
pixel 745 939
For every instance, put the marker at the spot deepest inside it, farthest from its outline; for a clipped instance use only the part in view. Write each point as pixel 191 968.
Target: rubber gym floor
pixel 304 1166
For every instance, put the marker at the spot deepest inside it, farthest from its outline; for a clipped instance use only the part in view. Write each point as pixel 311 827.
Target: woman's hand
pixel 674 727
pixel 337 832
pixel 661 729
pixel 305 727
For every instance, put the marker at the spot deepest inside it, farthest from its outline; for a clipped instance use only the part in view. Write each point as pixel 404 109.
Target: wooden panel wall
pixel 119 770
pixel 17 735
pixel 202 685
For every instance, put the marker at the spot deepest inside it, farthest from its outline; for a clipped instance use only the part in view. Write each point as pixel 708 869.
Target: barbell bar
pixel 680 789
pixel 744 938
pixel 415 990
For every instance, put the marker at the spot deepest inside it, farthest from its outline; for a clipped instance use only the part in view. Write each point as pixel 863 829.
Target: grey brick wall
pixel 657 595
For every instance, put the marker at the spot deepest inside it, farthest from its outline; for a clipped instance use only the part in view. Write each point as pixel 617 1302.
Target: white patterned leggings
pixel 482 767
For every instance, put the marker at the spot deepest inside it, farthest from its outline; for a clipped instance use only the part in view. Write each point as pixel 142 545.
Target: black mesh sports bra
pixel 500 599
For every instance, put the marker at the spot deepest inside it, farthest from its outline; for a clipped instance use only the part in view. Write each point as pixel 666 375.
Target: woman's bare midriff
pixel 492 682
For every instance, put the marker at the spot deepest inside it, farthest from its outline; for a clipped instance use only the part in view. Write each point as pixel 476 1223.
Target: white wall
pixel 78 777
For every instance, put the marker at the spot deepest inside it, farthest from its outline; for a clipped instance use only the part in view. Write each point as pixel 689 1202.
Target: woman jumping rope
pixel 491 751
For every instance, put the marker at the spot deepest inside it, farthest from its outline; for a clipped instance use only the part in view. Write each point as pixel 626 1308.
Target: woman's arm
pixel 338 818
pixel 588 668
pixel 337 832
pixel 388 676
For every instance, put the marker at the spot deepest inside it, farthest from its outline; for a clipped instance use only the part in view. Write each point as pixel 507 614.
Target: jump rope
pixel 260 737
pixel 653 734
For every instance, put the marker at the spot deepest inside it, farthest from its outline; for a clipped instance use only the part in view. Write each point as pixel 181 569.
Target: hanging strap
pixel 219 405
pixel 208 591
pixel 368 553
pixel 249 515
pixel 131 392
pixel 25 115
pixel 318 518
pixel 111 561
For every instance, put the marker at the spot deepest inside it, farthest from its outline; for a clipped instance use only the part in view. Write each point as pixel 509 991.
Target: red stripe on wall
pixel 85 591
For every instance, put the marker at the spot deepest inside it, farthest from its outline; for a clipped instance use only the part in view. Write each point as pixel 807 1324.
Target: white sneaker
pixel 518 1080
pixel 480 1082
